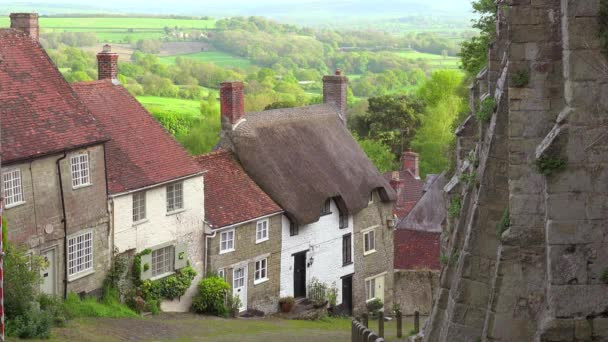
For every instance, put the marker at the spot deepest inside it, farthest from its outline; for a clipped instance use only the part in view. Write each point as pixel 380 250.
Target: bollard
pixel 353 331
pixel 416 322
pixel 399 324
pixel 372 337
pixel 364 319
pixel 381 323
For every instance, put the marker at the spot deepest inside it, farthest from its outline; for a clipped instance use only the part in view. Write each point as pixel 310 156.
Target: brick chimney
pixel 107 64
pixel 26 22
pixel 409 161
pixel 334 91
pixel 232 102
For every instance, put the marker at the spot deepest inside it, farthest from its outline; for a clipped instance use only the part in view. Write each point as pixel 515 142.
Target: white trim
pixel 160 276
pixel 156 185
pixel 267 229
pixel 135 224
pixel 175 212
pixel 233 248
pixel 16 204
pixel 88 271
pixel 255 269
pixel 250 260
pixel 377 275
pixel 366 233
pixel 369 228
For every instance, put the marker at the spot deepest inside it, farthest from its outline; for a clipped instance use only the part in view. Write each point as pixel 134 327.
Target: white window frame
pixel 80 169
pixel 81 261
pixel 224 235
pixel 137 199
pixel 173 194
pixel 12 184
pixel 262 230
pixel 370 289
pixel 260 274
pixel 168 260
pixel 372 244
pixel 371 197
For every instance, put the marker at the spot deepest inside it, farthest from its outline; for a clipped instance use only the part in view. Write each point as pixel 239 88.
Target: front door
pixel 239 285
pixel 47 273
pixel 347 294
pixel 299 275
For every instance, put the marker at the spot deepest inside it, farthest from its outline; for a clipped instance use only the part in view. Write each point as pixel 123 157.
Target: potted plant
pixel 374 305
pixel 233 303
pixel 286 304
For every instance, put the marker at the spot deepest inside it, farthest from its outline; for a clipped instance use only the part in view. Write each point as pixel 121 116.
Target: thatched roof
pixel 303 156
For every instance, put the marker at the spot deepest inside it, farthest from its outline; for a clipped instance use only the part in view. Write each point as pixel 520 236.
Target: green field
pixel 117 29
pixel 434 61
pixel 167 104
pixel 222 59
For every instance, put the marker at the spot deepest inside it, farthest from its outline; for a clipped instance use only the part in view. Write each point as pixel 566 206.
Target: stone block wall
pixel 414 290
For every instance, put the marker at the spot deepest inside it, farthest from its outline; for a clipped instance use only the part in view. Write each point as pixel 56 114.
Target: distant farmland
pixel 222 59
pixel 117 29
pixel 434 61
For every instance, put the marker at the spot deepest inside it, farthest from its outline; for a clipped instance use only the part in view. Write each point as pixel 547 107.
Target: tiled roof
pixel 39 111
pixel 231 196
pixel 141 153
pixel 409 191
pixel 417 250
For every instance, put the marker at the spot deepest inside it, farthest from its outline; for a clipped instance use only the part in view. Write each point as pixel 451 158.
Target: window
pixel 261 267
pixel 343 220
pixel 80 170
pixel 139 206
pixel 227 241
pixel 162 261
pixel 261 231
pixel 221 273
pixel 13 192
pixel 294 228
pixel 326 210
pixel 371 198
pixel 80 254
pixel 369 242
pixel 370 289
pixel 175 197
pixel 347 255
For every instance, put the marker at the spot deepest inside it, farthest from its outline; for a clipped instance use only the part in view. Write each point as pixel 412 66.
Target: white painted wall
pixel 323 239
pixel 160 228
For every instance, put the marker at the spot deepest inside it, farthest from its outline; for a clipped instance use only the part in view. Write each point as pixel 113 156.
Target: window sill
pixel 81 186
pixel 83 274
pixel 175 212
pixel 343 227
pixel 369 252
pixel 260 281
pixel 347 264
pixel 14 205
pixel 369 300
pixel 160 276
pixel 260 241
pixel 325 214
pixel 227 251
pixel 140 222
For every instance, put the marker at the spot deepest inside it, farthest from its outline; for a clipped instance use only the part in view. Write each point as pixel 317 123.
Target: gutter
pixel 157 184
pixel 64 220
pixel 206 252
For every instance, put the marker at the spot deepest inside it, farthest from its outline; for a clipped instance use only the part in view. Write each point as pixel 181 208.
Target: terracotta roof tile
pixel 141 152
pixel 409 191
pixel 231 196
pixel 40 112
pixel 417 250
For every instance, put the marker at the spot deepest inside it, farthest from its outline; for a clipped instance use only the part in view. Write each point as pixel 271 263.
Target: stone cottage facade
pixel 54 173
pixel 308 163
pixel 156 191
pixel 243 232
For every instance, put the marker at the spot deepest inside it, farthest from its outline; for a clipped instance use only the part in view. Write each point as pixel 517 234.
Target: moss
pixel 548 165
pixel 444 259
pixel 455 207
pixel 520 79
pixel 486 109
pixel 603 25
pixel 605 276
pixel 503 224
pixel 468 178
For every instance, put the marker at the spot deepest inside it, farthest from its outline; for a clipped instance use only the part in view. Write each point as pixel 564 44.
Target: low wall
pixel 414 290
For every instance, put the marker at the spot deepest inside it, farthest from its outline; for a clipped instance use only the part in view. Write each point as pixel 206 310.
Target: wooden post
pixel 416 322
pixel 399 324
pixel 364 319
pixel 381 323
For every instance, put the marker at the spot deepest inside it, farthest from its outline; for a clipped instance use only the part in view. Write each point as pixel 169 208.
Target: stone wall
pixel 414 290
pixel 540 279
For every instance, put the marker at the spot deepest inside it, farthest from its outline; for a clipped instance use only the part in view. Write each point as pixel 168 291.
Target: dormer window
pixel 371 198
pixel 326 210
pixel 294 228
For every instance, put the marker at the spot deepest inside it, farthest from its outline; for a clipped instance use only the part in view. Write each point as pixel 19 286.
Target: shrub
pixel 444 259
pixel 547 165
pixel 211 295
pixel 374 305
pixel 33 323
pixel 22 279
pixel 54 306
pixel 317 292
pixel 455 207
pixel 332 295
pixel 503 224
pixel 520 79
pixel 233 303
pixel 486 109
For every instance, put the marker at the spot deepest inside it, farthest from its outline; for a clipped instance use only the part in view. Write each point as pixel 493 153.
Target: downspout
pixel 65 227
pixel 206 254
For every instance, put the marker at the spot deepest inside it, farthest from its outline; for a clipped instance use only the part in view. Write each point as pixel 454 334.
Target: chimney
pixel 409 161
pixel 334 91
pixel 232 102
pixel 26 22
pixel 107 64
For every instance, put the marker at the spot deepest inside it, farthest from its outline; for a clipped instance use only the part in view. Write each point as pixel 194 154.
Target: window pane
pixel 80 253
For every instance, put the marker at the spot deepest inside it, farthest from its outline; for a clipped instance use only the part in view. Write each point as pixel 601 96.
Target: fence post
pixel 364 319
pixel 399 324
pixel 381 323
pixel 416 322
pixel 353 334
pixel 372 337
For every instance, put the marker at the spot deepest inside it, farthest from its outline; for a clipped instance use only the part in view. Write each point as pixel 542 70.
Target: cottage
pixel 407 183
pixel 337 224
pixel 243 240
pixel 156 192
pixel 54 174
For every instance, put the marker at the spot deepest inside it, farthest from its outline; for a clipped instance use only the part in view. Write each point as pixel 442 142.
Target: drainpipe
pixel 206 254
pixel 64 220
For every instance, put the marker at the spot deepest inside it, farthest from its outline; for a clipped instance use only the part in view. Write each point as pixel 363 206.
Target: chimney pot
pixel 107 64
pixel 26 22
pixel 335 92
pixel 409 161
pixel 232 103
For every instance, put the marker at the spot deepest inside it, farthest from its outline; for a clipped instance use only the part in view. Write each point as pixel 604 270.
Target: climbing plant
pixel 548 165
pixel 485 110
pixel 603 25
pixel 455 207
pixel 503 224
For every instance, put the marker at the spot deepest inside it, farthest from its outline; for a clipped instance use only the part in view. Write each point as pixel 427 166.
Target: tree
pixel 474 52
pixel 378 153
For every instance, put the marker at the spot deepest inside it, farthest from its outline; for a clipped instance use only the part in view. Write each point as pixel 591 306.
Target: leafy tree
pixel 474 52
pixel 378 153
